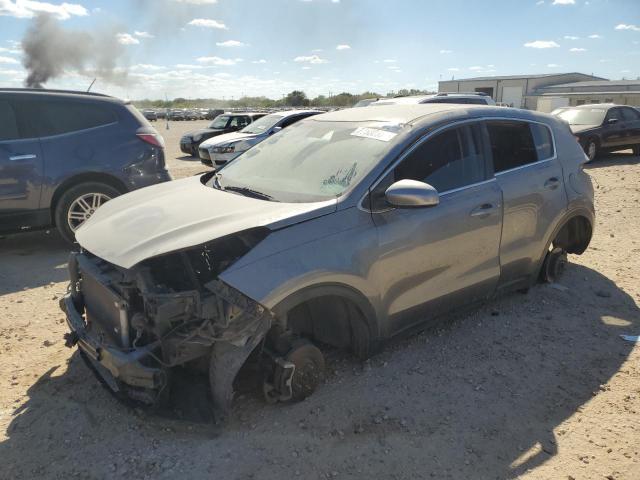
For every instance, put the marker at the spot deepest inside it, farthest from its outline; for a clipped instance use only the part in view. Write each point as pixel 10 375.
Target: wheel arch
pixel 81 178
pixel 360 313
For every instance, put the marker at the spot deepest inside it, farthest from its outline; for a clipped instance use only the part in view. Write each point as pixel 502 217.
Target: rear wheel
pixel 78 204
pixel 591 149
pixel 554 265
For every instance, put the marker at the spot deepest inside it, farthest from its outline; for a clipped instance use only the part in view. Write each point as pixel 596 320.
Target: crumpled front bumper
pixel 115 366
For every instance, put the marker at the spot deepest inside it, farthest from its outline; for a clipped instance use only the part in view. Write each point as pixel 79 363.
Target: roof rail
pixel 445 94
pixel 47 90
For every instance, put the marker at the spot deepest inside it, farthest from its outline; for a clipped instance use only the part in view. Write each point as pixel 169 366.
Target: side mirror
pixel 411 193
pixel 611 121
pixel 275 130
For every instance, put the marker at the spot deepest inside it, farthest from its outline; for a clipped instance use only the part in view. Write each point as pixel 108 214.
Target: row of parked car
pixel 180 114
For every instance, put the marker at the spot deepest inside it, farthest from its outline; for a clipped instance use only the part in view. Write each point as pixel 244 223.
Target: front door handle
pixel 483 210
pixel 28 156
pixel 552 183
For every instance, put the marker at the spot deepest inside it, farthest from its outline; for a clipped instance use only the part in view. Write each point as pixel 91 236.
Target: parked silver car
pixel 345 229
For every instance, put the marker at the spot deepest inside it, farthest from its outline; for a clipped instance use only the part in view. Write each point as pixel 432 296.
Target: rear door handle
pixel 483 210
pixel 28 156
pixel 552 183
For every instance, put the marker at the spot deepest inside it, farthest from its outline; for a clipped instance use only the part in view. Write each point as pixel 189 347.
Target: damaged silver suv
pixel 342 231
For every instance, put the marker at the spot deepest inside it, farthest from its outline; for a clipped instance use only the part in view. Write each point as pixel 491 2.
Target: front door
pixel 433 259
pixel 21 168
pixel 531 180
pixel 613 129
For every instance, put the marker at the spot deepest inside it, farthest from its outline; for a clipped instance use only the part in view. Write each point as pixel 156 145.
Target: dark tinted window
pixel 449 160
pixel 292 120
pixel 543 140
pixel 630 115
pixel 8 122
pixel 614 113
pixel 511 145
pixel 57 117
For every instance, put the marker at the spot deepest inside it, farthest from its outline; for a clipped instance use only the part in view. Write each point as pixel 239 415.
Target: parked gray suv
pixel 344 229
pixel 63 154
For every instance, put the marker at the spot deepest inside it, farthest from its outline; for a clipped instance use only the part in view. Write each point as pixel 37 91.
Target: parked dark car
pixel 603 127
pixel 176 115
pixel 213 113
pixel 63 154
pixel 228 122
pixel 150 115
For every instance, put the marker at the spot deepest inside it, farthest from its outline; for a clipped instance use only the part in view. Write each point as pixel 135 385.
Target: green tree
pixel 297 98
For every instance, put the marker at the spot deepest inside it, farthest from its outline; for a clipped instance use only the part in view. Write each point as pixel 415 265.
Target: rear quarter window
pixel 543 140
pixel 55 117
pixel 8 122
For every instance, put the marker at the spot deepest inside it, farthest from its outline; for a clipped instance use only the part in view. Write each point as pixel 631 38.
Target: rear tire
pixel 75 206
pixel 591 149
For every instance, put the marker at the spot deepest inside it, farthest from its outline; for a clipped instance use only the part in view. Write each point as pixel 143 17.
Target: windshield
pixel 262 124
pixel 583 116
pixel 309 161
pixel 219 122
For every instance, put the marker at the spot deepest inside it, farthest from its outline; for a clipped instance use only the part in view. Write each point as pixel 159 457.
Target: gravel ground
pixel 534 386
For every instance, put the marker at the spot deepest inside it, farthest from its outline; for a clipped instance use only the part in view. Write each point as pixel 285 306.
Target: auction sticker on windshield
pixel 374 133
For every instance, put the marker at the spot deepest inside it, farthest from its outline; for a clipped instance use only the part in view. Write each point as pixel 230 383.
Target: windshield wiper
pixel 249 192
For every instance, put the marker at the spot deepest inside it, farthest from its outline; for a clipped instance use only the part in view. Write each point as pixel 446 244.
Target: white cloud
pixel 444 52
pixel 553 65
pixel 262 60
pixel 29 8
pixel 147 66
pixel 577 49
pixel 542 44
pixel 223 62
pixel 571 37
pixel 564 2
pixel 127 39
pixel 624 26
pixel 453 69
pixel 313 59
pixel 389 60
pixel 540 2
pixel 306 68
pixel 343 47
pixel 595 35
pixel 143 34
pixel 10 60
pixel 198 2
pixel 231 43
pixel 208 23
pixel 476 68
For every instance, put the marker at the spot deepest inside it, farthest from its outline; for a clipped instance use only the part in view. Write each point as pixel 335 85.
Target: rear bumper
pixel 116 367
pixel 135 182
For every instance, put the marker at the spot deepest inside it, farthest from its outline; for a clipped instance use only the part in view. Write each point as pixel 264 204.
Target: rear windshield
pixel 583 116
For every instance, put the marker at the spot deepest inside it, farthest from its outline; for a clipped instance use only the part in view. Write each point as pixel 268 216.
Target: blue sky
pixel 226 48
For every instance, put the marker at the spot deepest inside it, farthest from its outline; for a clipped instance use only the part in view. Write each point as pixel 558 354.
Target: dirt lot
pixel 538 386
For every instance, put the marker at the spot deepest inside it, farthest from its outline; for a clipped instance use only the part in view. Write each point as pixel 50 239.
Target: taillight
pixel 152 139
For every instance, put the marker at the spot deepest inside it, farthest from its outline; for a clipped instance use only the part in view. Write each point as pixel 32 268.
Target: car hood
pixel 227 138
pixel 582 128
pixel 203 131
pixel 183 213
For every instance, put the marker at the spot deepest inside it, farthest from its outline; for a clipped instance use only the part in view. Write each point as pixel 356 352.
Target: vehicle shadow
pixel 31 260
pixel 625 157
pixel 478 396
pixel 188 158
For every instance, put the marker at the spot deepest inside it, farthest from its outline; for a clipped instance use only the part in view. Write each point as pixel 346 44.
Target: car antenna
pixel 94 81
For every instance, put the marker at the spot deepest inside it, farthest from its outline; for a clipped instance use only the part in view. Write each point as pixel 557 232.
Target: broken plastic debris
pixel 631 338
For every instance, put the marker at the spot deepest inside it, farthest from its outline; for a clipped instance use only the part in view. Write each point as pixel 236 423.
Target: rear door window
pixel 630 115
pixel 58 117
pixel 512 144
pixel 8 122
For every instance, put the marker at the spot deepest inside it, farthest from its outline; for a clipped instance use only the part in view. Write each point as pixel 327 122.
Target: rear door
pixel 530 177
pixel 21 172
pixel 613 129
pixel 632 124
pixel 433 259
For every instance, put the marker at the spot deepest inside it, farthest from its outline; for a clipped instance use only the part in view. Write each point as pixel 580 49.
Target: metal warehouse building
pixel 548 91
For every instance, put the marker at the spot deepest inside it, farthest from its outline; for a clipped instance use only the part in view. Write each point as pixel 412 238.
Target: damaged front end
pixel 133 325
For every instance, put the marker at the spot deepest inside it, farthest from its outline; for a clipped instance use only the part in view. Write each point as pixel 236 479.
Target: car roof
pixel 63 94
pixel 405 113
pixel 289 113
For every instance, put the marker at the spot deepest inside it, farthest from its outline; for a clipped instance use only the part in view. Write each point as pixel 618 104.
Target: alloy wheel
pixel 83 207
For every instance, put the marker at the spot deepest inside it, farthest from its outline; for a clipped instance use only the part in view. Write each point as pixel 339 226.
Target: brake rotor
pixel 309 368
